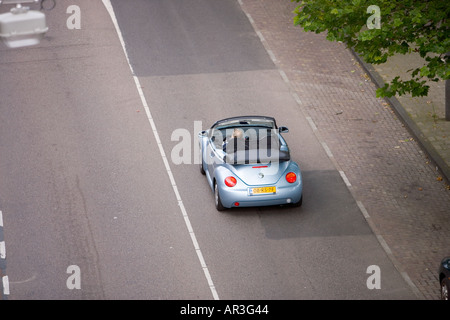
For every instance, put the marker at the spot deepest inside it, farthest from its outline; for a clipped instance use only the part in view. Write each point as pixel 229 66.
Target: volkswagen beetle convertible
pixel 247 163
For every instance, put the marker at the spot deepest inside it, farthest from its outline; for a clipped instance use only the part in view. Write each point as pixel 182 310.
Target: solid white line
pixel 1 219
pixel 2 250
pixel 5 281
pixel 344 177
pixel 110 10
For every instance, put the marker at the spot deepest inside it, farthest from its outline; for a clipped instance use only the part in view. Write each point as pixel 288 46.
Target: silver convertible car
pixel 247 163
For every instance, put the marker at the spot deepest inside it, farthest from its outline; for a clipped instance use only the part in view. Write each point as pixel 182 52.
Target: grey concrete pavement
pixel 390 174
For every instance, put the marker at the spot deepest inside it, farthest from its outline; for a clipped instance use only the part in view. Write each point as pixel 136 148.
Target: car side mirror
pixel 283 129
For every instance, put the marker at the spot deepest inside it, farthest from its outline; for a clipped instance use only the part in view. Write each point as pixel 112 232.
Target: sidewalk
pixel 424 116
pixel 392 176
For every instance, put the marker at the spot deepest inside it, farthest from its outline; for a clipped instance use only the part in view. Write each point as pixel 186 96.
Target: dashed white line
pixel 272 55
pixel 311 124
pixel 109 8
pixel 327 150
pixel 250 19
pixel 344 177
pixel 363 210
pixel 384 244
pixel 284 76
pixel 260 35
pixel 2 250
pixel 297 99
pixel 5 282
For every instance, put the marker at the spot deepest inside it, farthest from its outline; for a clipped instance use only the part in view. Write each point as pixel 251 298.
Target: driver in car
pixel 237 134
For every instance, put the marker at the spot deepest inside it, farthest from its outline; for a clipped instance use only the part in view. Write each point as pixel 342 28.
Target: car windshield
pixel 253 144
pixel 246 122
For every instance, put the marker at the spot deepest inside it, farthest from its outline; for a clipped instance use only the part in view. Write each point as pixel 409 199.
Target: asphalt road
pixel 83 181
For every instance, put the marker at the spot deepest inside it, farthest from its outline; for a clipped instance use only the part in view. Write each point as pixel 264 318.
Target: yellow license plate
pixel 262 190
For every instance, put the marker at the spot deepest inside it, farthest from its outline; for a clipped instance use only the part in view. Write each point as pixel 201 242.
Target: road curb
pixel 433 155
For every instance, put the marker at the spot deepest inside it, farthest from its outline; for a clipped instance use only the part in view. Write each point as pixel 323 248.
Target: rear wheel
pixel 217 200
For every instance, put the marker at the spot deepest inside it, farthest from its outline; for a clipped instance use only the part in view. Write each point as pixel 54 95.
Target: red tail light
pixel 230 181
pixel 291 177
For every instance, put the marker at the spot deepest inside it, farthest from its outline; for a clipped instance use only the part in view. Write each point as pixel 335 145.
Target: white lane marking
pixel 2 243
pixel 2 250
pixel 5 281
pixel 363 209
pixel 284 76
pixel 272 55
pixel 311 124
pixel 327 150
pixel 250 19
pixel 260 35
pixel 344 177
pixel 297 99
pixel 110 10
pixel 384 244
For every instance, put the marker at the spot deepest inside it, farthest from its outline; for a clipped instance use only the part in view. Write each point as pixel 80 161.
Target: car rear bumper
pixel 240 197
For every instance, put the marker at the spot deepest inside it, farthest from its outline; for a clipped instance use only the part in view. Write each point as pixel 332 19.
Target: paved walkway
pixel 424 116
pixel 391 175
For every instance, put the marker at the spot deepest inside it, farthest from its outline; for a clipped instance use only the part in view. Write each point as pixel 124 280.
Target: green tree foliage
pixel 422 26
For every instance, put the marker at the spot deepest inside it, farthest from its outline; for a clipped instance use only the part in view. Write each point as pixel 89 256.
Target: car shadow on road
pixel 328 209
